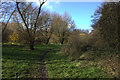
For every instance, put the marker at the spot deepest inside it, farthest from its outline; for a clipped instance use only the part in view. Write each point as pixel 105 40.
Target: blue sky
pixel 80 12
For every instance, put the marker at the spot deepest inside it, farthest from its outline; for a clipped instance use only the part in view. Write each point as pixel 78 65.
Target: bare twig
pixel 35 25
pixel 23 19
pixel 8 21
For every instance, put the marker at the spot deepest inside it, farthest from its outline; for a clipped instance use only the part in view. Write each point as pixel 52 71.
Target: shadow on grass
pixel 20 54
pixel 20 62
pixel 23 53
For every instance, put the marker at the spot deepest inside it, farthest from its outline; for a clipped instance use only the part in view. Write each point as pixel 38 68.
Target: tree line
pixel 105 33
pixel 33 24
pixel 36 25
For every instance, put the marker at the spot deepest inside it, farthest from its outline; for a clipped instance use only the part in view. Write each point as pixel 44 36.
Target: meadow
pixel 20 62
pixel 40 43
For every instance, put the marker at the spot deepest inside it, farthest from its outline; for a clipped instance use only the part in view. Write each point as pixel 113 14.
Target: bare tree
pixel 56 24
pixel 67 25
pixel 31 32
pixel 48 27
pixel 7 21
pixel 63 25
pixel 7 9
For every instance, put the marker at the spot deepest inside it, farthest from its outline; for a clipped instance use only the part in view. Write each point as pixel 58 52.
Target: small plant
pixel 14 37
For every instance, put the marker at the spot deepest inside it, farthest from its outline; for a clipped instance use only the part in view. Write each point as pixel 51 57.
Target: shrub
pixel 77 44
pixel 6 35
pixel 96 40
pixel 14 37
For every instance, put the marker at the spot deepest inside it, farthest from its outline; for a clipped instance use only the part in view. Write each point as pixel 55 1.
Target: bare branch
pixel 8 21
pixel 23 19
pixel 35 25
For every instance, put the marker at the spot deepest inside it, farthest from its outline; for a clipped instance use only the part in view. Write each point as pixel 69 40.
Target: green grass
pixel 60 66
pixel 20 62
pixel 11 43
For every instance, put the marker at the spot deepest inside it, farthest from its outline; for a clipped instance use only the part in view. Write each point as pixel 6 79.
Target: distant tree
pixel 6 35
pixel 55 24
pixel 7 9
pixel 63 26
pixel 106 21
pixel 67 26
pixel 45 27
pixel 11 27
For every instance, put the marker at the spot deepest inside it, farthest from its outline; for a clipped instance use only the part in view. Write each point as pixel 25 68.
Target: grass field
pixel 60 66
pixel 20 62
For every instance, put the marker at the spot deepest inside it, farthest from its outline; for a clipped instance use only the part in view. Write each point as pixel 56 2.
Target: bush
pixel 6 35
pixel 77 44
pixel 96 40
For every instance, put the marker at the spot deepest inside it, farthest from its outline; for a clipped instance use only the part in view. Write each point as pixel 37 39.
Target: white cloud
pixel 57 2
pixel 37 2
pixel 51 7
pixel 48 6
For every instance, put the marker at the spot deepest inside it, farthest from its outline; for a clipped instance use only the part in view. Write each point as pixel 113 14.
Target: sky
pixel 80 12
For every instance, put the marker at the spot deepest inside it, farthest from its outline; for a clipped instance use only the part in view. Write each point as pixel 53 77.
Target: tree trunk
pixel 31 45
pixel 118 29
pixel 62 39
pixel 47 41
pixel 49 38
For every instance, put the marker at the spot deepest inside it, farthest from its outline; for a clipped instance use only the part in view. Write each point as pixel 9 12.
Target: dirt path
pixel 44 71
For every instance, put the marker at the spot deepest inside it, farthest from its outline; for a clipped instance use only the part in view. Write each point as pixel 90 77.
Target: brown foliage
pixel 77 44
